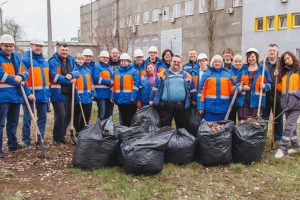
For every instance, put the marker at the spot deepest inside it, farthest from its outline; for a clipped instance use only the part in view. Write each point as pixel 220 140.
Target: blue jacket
pixel 10 91
pixel 243 78
pixel 141 69
pixel 159 64
pixel 234 73
pixel 103 78
pixel 215 91
pixel 193 69
pixel 41 77
pixel 145 89
pixel 126 85
pixel 84 85
pixel 91 65
pixel 157 90
pixel 57 79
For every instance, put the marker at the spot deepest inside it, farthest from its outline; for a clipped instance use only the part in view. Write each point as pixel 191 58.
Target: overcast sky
pixel 32 16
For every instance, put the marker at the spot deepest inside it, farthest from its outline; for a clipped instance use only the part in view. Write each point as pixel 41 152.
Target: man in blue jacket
pixel 12 73
pixel 173 94
pixel 62 75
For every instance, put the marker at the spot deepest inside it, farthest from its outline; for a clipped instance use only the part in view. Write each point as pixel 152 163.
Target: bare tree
pixel 11 27
pixel 211 26
pixel 126 38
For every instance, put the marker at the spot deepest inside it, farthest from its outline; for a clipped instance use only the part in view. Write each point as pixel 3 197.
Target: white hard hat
pixel 252 50
pixel 87 52
pixel 152 49
pixel 138 53
pixel 125 56
pixel 104 54
pixel 7 39
pixel 202 56
pixel 37 42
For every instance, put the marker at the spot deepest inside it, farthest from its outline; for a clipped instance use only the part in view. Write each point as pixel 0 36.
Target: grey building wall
pixel 192 29
pixel 287 39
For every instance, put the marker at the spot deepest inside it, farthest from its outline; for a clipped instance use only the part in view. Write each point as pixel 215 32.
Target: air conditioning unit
pixel 283 1
pixel 172 20
pixel 134 29
pixel 229 10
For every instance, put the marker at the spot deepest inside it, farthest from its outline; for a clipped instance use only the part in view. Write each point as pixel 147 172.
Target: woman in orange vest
pixel 289 86
pixel 84 94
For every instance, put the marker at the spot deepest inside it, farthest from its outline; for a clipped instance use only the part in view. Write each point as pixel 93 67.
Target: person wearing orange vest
pixel 289 86
pixel 103 80
pixel 36 89
pixel 84 94
pixel 62 74
pixel 126 89
pixel 215 90
pixel 12 73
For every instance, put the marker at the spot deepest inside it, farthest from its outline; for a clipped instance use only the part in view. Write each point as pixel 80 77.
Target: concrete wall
pixel 287 39
pixel 194 29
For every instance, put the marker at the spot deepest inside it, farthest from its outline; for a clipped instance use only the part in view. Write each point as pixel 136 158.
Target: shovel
pixel 73 137
pixel 231 104
pixel 39 137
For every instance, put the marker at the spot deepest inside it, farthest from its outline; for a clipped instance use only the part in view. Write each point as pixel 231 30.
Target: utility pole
pixel 50 48
pixel 1 16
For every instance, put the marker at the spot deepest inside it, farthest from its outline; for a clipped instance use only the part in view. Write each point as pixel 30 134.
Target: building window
pixel 177 10
pixel 137 19
pixel 219 4
pixel 270 22
pixel 259 24
pixel 237 3
pixel 189 7
pixel 296 20
pixel 202 6
pixel 146 17
pixel 155 15
pixel 129 21
pixel 154 40
pixel 121 22
pixel 145 44
pixel 165 14
pixel 283 22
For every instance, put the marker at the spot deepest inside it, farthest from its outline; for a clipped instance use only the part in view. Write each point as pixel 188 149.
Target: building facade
pixel 271 21
pixel 179 25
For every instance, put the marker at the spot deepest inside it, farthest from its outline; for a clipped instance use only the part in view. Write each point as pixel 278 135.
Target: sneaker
pixel 279 154
pixel 1 154
pixel 27 145
pixel 292 151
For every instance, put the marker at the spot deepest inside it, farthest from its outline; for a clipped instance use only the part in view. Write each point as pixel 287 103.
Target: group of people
pixel 165 83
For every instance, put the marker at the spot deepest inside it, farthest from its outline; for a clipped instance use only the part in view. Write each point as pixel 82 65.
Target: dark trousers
pixel 278 122
pixel 105 108
pixel 233 113
pixel 78 117
pixel 127 112
pixel 62 118
pixel 41 110
pixel 167 111
pixel 9 112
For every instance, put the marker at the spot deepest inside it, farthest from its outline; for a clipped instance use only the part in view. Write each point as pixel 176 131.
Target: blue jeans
pixel 41 109
pixel 105 108
pixel 214 117
pixel 9 112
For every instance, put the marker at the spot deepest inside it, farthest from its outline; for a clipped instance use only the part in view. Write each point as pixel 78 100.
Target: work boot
pixel 15 148
pixel 26 145
pixel 292 151
pixel 1 154
pixel 57 143
pixel 63 140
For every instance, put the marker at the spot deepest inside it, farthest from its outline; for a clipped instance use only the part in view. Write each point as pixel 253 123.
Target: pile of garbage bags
pixel 144 147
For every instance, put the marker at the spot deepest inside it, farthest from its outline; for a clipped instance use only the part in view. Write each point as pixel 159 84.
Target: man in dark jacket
pixel 271 62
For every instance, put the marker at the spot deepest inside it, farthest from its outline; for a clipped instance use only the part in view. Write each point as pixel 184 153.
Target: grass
pixel 17 196
pixel 268 179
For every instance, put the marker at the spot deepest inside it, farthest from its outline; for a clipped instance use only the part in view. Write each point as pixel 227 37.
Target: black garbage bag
pixel 194 121
pixel 97 146
pixel 145 154
pixel 146 112
pixel 181 148
pixel 248 142
pixel 214 148
pixel 134 133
